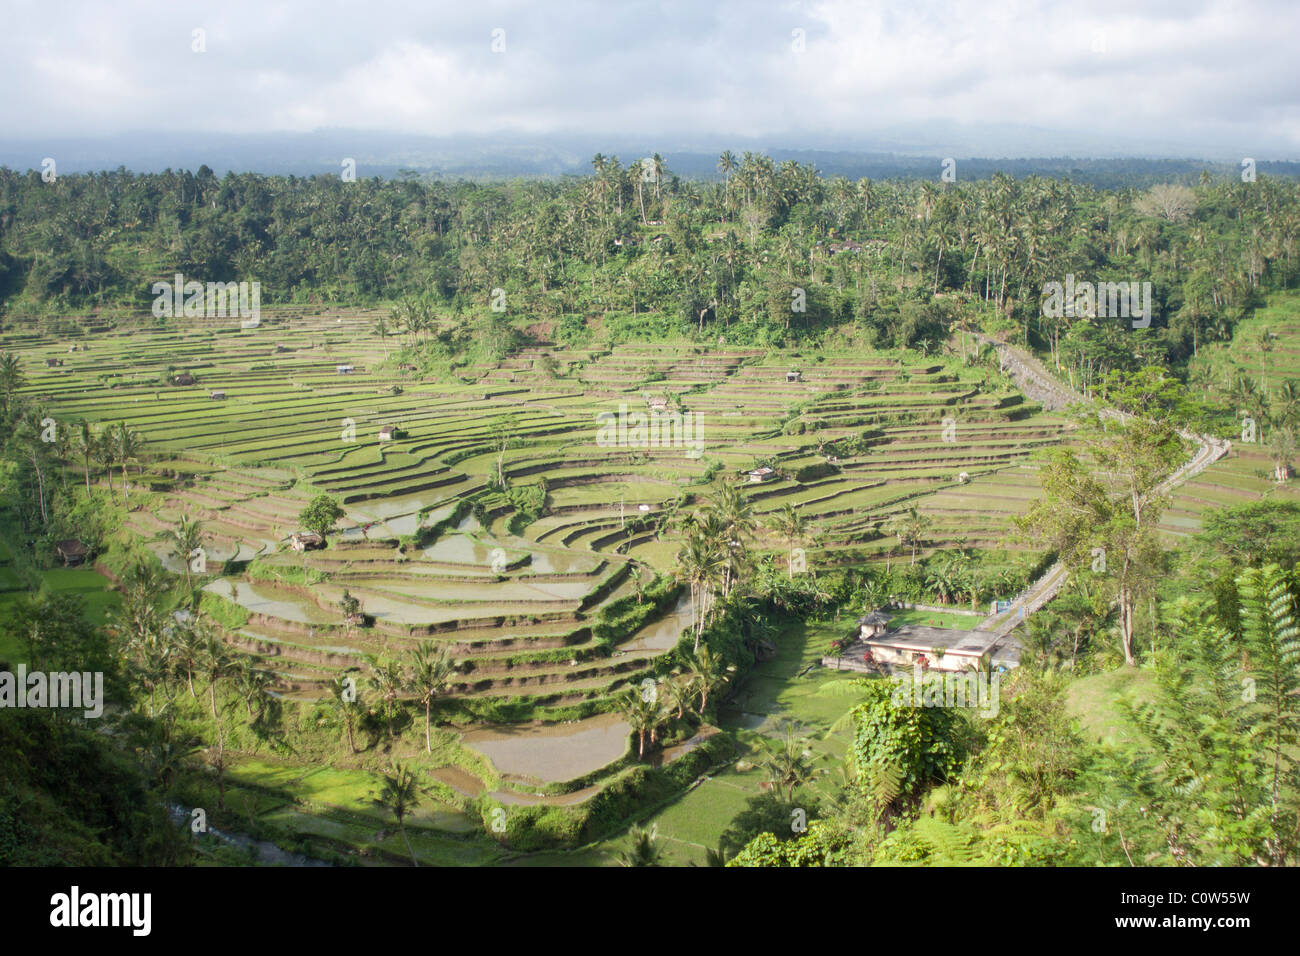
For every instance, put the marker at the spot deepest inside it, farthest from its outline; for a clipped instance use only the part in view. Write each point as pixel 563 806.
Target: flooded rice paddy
pixel 552 753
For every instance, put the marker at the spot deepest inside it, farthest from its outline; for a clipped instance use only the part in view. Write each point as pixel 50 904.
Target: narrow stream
pixel 267 852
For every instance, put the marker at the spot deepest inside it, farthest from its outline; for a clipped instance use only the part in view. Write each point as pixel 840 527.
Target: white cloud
pixel 1214 72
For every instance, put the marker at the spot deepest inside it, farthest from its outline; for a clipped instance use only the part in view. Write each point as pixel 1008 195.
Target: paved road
pixel 1037 383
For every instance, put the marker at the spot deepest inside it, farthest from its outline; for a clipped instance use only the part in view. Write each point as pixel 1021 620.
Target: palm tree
pixel 1040 633
pixel 186 538
pixel 430 669
pixel 346 706
pixel 31 434
pixel 678 688
pixel 502 433
pixel 735 512
pixel 138 620
pixel 644 850
pixel 660 171
pixel 184 652
pixel 909 527
pixel 726 166
pixel 216 663
pixel 699 561
pixel 399 795
pixel 87 441
pixel 387 679
pixel 715 858
pixel 252 684
pixel 643 713
pixel 126 446
pixel 164 752
pixel 791 766
pixel 875 592
pixel 726 538
pixel 1286 404
pixel 1264 342
pixel 106 456
pixel 11 380
pixel 637 170
pixel 706 673
pixel 1282 450
pixel 351 608
pixel 792 526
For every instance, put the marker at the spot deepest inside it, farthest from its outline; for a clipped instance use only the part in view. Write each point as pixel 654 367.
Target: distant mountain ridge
pixel 390 155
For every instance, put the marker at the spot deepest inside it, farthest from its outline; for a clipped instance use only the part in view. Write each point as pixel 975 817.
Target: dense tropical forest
pixel 890 258
pixel 1154 714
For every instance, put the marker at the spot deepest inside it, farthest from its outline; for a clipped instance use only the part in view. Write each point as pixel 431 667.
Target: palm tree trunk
pixel 40 488
pixel 695 617
pixel 407 841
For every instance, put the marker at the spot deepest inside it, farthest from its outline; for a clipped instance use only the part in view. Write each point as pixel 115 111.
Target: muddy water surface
pixel 553 752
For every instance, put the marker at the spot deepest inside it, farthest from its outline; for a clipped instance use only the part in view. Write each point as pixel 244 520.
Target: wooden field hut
pixel 759 475
pixel 306 541
pixel 344 369
pixel 389 432
pixel 793 375
pixel 72 551
pixel 217 395
pixel 185 378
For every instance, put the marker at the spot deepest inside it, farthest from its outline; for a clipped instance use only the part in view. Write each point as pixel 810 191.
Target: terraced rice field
pixel 514 599
pixel 1246 474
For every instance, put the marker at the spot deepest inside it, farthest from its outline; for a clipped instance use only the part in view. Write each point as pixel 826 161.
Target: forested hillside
pixel 649 254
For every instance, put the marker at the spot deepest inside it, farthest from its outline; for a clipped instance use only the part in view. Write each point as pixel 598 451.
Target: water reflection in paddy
pixel 464 549
pixel 263 600
pixel 662 635
pixel 553 752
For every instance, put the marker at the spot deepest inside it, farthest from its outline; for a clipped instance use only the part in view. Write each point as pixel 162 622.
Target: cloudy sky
pixel 1211 79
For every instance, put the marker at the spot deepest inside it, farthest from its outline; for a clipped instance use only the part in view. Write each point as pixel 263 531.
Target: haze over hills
pixel 518 90
pixel 390 155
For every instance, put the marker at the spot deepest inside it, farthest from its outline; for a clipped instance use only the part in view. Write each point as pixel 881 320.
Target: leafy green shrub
pixel 890 733
pixel 822 469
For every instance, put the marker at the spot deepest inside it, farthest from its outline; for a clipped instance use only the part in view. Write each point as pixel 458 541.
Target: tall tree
pixel 400 795
pixel 430 669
